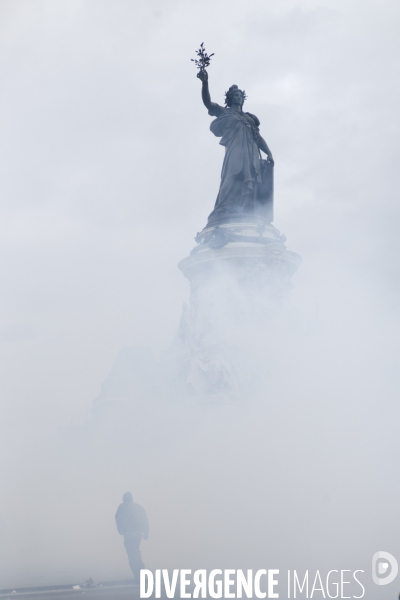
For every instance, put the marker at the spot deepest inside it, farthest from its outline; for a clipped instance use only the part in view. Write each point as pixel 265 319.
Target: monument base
pixel 239 274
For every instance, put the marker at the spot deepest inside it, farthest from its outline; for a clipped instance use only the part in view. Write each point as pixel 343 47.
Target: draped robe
pixel 241 169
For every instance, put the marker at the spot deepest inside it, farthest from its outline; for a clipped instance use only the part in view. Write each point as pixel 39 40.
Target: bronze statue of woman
pixel 246 190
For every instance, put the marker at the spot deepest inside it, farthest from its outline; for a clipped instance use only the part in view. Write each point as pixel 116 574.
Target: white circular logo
pixel 381 561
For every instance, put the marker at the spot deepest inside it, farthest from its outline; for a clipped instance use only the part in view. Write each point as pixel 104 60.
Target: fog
pixel 108 171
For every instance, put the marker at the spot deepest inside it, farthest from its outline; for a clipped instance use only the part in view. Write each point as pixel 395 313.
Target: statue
pixel 246 190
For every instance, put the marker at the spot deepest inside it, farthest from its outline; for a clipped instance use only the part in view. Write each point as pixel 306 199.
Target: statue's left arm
pixel 262 144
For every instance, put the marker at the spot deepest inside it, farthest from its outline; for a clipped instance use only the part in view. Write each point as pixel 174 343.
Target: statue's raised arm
pixel 205 90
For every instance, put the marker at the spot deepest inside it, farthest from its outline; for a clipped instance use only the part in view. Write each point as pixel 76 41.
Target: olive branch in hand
pixel 203 60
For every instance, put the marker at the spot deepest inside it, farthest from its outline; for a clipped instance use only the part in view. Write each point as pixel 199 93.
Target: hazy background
pixel 108 170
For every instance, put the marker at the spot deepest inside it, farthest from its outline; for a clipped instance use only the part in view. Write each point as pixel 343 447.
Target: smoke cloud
pixel 108 171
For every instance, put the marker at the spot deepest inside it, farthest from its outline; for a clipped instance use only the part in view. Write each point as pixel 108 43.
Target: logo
pixel 384 564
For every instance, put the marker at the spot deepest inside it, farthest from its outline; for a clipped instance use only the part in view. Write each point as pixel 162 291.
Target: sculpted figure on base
pixel 246 180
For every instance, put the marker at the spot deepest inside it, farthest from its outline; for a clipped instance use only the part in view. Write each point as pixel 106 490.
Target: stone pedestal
pixel 239 274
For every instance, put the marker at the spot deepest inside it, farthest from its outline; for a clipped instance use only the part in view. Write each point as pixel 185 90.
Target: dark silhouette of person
pixel 132 523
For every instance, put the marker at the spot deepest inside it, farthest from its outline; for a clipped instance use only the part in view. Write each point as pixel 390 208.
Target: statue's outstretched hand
pixel 271 160
pixel 203 75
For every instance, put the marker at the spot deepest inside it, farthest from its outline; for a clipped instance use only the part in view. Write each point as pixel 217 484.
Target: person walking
pixel 132 523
